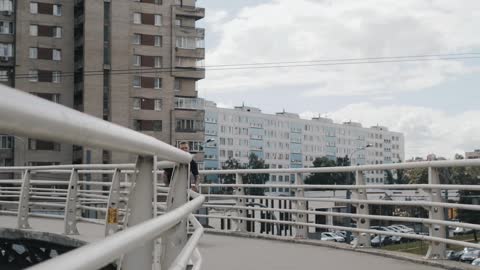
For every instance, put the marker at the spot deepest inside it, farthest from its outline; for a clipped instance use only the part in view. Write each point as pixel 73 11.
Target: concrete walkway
pixel 236 253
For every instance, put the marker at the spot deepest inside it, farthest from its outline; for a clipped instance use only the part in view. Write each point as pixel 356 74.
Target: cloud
pixel 426 130
pixel 303 30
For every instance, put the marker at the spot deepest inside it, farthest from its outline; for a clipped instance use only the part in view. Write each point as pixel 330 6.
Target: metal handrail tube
pixel 48 182
pixel 9 196
pixel 92 195
pixel 99 209
pixel 61 216
pixel 103 252
pixel 93 191
pixel 7 212
pixel 9 192
pixel 91 183
pixel 47 193
pixel 341 228
pixel 351 187
pixel 181 261
pixel 393 166
pixel 338 214
pixel 91 220
pixel 68 167
pixel 25 114
pixel 379 202
pixel 9 202
pixel 48 198
pixel 57 205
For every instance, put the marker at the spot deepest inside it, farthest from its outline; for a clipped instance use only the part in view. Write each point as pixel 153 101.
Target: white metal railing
pixel 294 215
pixel 76 193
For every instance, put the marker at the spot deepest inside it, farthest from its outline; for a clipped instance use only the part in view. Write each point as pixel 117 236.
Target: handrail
pixel 37 117
pixel 393 166
pixel 104 252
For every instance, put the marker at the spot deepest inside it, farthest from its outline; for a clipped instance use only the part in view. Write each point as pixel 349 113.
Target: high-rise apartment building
pixel 132 62
pixel 284 140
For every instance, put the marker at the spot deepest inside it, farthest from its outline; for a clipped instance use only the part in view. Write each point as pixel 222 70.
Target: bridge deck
pixel 236 253
pixel 228 252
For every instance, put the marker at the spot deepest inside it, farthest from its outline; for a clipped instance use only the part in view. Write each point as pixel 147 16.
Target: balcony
pixel 190 11
pixel 194 53
pixel 189 72
pixel 189 103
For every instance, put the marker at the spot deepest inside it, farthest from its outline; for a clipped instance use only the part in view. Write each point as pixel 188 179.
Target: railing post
pixel 111 218
pixel 436 250
pixel 174 239
pixel 70 219
pixel 23 204
pixel 240 191
pixel 141 209
pixel 301 231
pixel 363 239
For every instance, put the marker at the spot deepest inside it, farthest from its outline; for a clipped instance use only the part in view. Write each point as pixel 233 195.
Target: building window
pixel 158 20
pixel 33 8
pixel 33 30
pixel 136 39
pixel 158 61
pixel 57 10
pixel 6 50
pixel 57 32
pixel 33 75
pixel 3 75
pixel 6 5
pixel 57 55
pixel 136 81
pixel 43 145
pixel 158 41
pixel 136 60
pixel 186 42
pixel 158 83
pixel 33 53
pixel 6 27
pixel 178 85
pixel 178 22
pixel 136 104
pixel 158 104
pixel 147 125
pixel 137 18
pixel 51 97
pixel 57 77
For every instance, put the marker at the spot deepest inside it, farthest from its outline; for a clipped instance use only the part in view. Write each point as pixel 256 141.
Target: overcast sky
pixel 436 104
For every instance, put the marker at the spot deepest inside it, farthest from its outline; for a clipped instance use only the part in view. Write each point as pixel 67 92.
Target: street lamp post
pixel 349 193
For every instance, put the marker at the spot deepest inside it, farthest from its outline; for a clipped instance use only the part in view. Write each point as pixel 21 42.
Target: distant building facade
pixel 473 155
pixel 284 140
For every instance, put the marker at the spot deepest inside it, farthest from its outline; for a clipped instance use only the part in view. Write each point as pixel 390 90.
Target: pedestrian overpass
pixel 107 216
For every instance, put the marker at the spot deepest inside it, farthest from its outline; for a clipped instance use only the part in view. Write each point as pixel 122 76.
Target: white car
pixel 403 228
pixel 476 262
pixel 461 230
pixel 327 236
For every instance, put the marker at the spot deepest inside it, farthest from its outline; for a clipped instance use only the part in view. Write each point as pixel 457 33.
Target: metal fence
pixel 297 214
pixel 126 204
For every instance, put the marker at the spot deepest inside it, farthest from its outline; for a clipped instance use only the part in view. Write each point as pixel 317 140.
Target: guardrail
pixel 295 215
pixel 124 204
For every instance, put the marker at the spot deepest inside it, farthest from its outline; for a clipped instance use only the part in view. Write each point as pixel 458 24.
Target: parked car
pixel 381 240
pixel 470 254
pixel 405 228
pixel 476 262
pixel 461 230
pixel 329 236
pixel 454 255
pixel 395 239
pixel 344 234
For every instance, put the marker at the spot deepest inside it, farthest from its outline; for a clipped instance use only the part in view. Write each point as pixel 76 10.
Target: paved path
pixel 236 253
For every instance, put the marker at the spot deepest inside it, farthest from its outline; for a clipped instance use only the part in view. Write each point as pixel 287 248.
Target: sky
pixel 436 104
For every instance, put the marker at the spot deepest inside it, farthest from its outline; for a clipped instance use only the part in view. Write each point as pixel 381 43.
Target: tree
pixel 231 164
pixel 329 178
pixel 468 176
pixel 255 163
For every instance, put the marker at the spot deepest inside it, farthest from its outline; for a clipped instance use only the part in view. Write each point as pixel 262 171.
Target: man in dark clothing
pixel 193 169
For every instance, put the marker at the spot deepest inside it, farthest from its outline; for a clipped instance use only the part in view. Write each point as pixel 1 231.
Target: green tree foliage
pixel 255 163
pixel 230 164
pixel 329 178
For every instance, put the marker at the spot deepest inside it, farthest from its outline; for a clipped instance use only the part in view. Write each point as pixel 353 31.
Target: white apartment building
pixel 284 140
